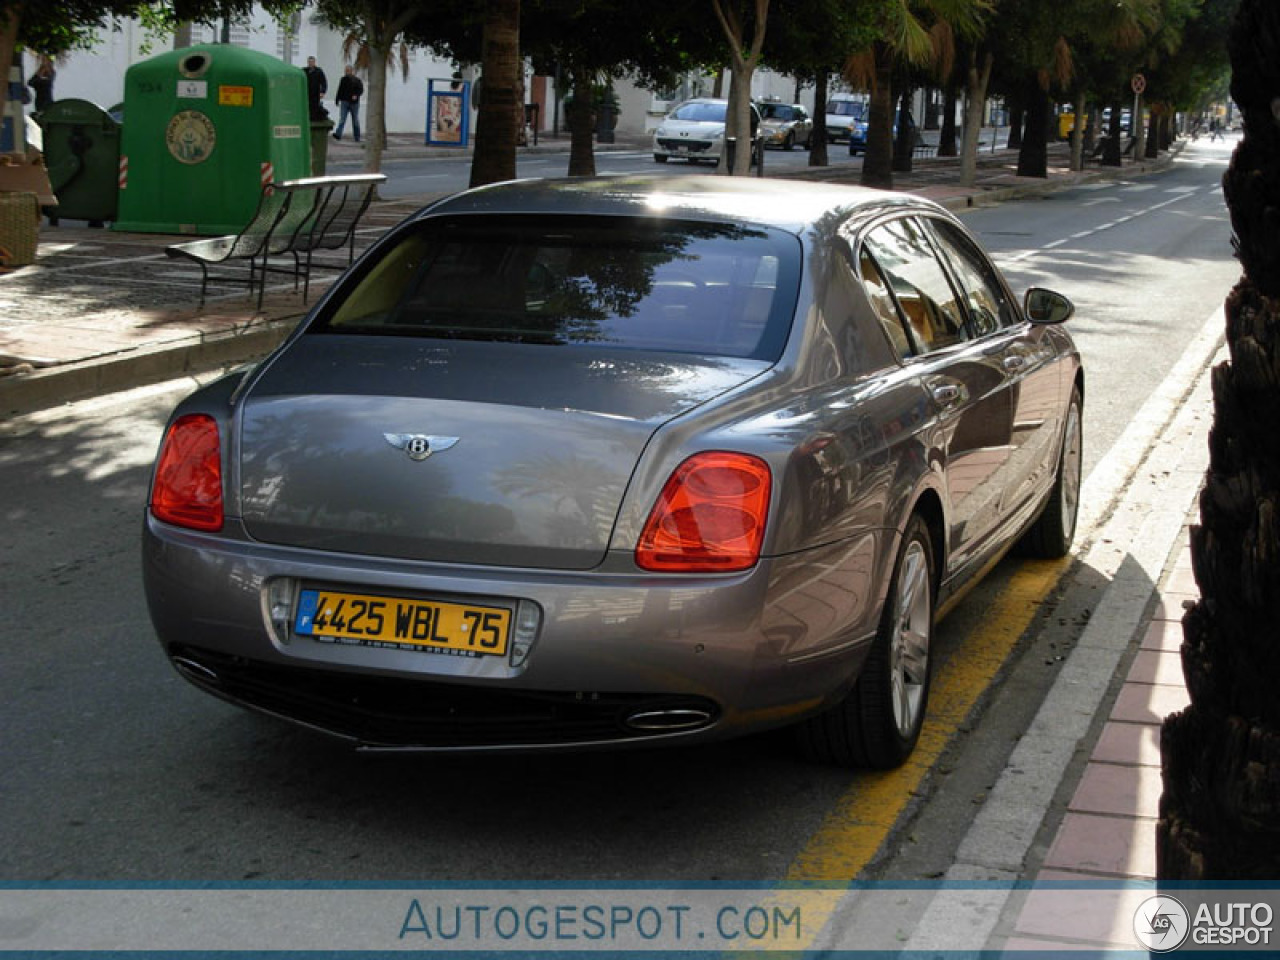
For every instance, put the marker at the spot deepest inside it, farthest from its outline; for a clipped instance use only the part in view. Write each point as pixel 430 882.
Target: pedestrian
pixel 42 83
pixel 317 87
pixel 1215 129
pixel 350 90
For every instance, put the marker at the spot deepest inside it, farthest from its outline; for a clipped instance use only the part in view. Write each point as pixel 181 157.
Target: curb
pixel 24 393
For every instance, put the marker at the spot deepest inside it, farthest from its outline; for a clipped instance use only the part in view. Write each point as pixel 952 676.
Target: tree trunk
pixel 1091 130
pixel 947 135
pixel 1221 756
pixel 1137 129
pixel 977 78
pixel 580 115
pixel 1078 127
pixel 877 165
pixel 10 21
pixel 904 140
pixel 1111 152
pixel 1152 149
pixel 494 159
pixel 1017 111
pixel 375 115
pixel 1033 157
pixel 740 110
pixel 818 142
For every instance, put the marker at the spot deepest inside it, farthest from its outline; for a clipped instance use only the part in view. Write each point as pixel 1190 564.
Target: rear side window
pixel 632 283
pixel 925 296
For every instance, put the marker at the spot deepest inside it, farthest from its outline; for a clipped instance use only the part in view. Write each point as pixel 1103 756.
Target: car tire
pixel 1050 536
pixel 877 724
pixel 790 142
pixel 659 158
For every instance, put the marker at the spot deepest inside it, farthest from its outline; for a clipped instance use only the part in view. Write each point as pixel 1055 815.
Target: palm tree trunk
pixel 1033 157
pixel 1111 153
pixel 976 80
pixel 818 142
pixel 1220 812
pixel 581 118
pixel 904 140
pixel 1153 132
pixel 947 135
pixel 1017 113
pixel 375 117
pixel 1138 129
pixel 497 121
pixel 877 165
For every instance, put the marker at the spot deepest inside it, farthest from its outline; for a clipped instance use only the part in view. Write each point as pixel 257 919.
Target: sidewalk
pixel 102 311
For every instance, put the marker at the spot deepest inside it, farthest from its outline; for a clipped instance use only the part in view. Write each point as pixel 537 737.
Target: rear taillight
pixel 710 516
pixel 188 487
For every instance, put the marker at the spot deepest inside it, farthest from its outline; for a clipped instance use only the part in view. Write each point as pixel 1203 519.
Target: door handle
pixel 1014 362
pixel 948 394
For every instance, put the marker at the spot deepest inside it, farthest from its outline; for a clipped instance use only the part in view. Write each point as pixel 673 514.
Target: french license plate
pixel 461 629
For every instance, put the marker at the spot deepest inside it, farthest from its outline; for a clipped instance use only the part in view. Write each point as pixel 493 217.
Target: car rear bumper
pixel 617 660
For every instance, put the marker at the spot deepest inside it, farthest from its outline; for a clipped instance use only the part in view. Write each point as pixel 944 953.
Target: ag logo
pixel 190 137
pixel 1161 924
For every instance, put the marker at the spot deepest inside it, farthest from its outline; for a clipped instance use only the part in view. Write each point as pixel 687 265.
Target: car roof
pixel 790 205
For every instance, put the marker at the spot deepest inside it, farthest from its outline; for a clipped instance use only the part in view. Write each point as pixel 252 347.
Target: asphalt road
pixel 117 770
pixel 409 177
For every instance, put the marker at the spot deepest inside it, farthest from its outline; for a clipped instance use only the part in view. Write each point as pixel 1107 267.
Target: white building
pixel 97 75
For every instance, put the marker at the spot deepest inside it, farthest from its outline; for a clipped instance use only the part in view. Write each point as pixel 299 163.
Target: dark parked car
pixel 619 462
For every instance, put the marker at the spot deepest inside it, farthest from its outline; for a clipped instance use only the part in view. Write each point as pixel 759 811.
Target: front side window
pixel 626 282
pixel 989 306
pixel 924 294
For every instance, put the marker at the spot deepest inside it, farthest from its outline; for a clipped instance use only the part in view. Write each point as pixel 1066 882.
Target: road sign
pixel 1138 83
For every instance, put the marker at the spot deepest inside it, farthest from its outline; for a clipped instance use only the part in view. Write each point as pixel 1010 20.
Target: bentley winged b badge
pixel 419 446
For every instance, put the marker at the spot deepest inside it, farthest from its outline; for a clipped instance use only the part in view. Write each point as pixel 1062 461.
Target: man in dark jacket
pixel 317 87
pixel 350 90
pixel 42 83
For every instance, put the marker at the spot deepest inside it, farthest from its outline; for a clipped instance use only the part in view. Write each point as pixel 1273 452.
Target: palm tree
pixel 501 101
pixel 1221 756
pixel 906 37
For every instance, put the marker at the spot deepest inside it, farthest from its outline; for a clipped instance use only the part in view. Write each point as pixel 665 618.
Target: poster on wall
pixel 448 112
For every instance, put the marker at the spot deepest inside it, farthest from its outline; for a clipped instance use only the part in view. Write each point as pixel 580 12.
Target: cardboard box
pixel 19 176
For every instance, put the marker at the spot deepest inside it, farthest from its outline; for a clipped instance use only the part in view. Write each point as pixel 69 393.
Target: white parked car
pixel 844 114
pixel 695 131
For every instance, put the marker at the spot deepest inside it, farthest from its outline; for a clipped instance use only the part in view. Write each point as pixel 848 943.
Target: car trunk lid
pixel 482 453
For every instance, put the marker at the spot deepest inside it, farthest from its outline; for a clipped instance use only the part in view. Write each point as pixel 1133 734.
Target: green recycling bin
pixel 206 128
pixel 82 154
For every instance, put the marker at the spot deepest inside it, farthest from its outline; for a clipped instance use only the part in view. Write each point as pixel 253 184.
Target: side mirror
pixel 1045 306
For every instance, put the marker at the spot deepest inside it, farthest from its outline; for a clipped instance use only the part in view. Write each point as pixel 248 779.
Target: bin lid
pixel 75 111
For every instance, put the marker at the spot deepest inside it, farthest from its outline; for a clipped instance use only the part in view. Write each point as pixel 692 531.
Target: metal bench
pixel 295 217
pixel 334 206
pixel 249 244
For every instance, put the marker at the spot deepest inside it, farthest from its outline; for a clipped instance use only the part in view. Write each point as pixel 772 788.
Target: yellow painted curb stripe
pixel 861 820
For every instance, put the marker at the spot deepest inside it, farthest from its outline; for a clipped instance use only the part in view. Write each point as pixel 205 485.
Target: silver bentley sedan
pixel 619 462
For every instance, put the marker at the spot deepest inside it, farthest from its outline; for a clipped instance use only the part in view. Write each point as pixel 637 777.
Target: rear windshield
pixel 774 111
pixel 700 112
pixel 639 284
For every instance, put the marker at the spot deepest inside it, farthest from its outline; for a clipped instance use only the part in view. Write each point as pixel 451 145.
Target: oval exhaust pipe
pixel 194 670
pixel 668 720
